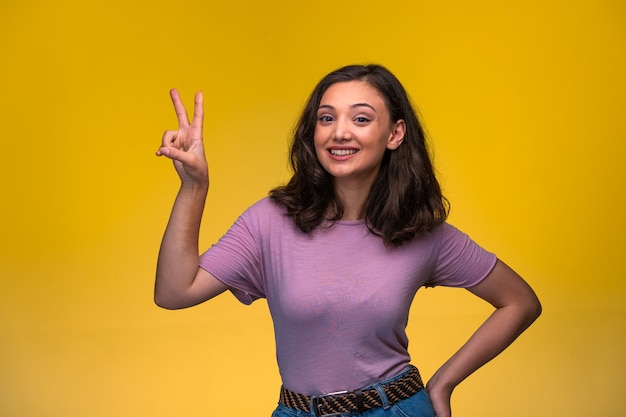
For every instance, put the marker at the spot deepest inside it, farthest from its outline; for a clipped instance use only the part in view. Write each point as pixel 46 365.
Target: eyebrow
pixel 328 106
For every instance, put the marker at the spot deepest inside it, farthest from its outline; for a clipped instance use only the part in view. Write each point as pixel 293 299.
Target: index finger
pixel 198 110
pixel 181 112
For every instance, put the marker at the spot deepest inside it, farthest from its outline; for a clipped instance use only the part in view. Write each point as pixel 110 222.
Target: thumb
pixel 173 153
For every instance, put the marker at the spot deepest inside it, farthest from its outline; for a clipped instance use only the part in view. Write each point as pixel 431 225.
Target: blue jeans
pixel 417 405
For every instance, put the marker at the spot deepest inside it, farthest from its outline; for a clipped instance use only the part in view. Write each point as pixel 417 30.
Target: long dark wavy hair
pixel 405 198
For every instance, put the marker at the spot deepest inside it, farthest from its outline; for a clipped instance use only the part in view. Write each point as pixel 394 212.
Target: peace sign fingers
pixel 181 112
pixel 184 145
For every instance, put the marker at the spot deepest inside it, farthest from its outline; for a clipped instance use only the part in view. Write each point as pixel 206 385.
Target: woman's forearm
pixel 517 307
pixel 491 338
pixel 177 264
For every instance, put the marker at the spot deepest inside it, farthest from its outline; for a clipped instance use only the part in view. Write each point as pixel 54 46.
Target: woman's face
pixel 353 131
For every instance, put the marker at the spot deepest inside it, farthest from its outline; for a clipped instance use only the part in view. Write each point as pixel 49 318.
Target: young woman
pixel 339 253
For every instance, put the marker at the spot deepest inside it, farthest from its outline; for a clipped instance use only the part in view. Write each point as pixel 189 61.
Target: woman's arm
pixel 179 281
pixel 516 306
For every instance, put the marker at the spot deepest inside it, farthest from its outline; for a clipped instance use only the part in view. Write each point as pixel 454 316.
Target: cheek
pixel 317 134
pixel 320 152
pixel 318 142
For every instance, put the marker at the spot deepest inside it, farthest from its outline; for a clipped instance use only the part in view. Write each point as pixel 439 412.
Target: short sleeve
pixel 235 260
pixel 461 262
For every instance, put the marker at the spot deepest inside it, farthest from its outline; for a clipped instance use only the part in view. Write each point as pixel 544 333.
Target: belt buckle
pixel 317 405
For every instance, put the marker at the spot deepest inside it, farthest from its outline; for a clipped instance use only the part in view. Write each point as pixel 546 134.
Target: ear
pixel 396 137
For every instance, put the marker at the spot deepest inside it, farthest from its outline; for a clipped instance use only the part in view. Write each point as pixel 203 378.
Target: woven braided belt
pixel 354 401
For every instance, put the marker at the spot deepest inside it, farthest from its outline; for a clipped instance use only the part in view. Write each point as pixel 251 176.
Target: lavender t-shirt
pixel 339 298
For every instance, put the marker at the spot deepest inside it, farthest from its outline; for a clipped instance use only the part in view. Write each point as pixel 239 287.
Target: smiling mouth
pixel 343 152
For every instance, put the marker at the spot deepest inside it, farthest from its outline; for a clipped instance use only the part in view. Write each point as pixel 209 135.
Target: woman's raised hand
pixel 184 146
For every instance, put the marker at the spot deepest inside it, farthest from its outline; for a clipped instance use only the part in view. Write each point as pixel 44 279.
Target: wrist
pixel 195 188
pixel 439 383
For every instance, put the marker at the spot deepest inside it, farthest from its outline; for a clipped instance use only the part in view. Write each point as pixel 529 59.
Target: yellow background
pixel 524 104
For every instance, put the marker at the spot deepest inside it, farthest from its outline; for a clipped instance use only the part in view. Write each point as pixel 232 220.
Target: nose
pixel 342 130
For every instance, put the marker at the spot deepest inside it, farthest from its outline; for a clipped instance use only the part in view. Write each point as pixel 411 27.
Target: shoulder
pixel 266 207
pixel 443 239
pixel 447 233
pixel 437 236
pixel 458 247
pixel 265 215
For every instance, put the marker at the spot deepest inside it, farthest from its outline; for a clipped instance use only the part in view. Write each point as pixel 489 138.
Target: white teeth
pixel 343 152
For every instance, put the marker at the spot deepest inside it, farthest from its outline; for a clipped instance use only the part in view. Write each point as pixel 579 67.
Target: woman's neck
pixel 353 200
